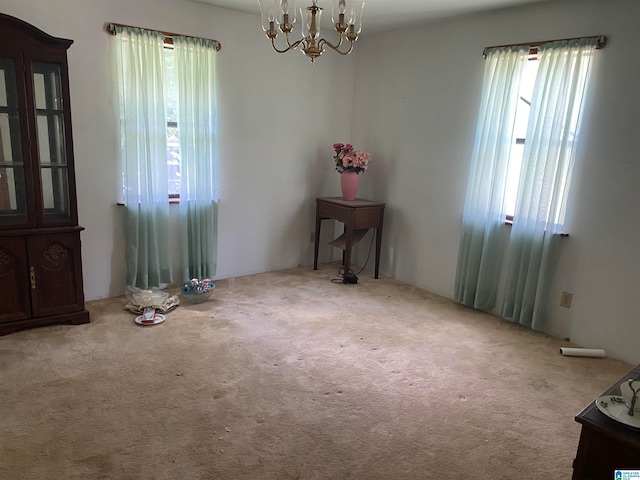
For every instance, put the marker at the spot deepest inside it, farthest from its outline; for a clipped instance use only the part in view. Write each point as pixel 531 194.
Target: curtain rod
pixel 602 41
pixel 111 28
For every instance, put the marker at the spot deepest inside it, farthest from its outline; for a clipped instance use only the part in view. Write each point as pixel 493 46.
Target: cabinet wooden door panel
pixel 14 282
pixel 55 270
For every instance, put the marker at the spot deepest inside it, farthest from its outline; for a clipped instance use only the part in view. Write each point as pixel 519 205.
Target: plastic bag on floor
pixel 139 299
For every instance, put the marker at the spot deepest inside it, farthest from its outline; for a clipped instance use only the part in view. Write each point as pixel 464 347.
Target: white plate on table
pixel 613 406
pixel 159 318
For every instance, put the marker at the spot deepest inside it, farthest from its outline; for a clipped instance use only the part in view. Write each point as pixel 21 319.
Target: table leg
pixel 316 244
pixel 379 242
pixel 346 262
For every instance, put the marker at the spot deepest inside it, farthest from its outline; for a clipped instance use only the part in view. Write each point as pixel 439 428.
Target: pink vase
pixel 349 181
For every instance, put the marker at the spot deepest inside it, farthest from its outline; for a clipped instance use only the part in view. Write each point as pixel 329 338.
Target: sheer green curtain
pixel 549 154
pixel 198 125
pixel 480 249
pixel 140 62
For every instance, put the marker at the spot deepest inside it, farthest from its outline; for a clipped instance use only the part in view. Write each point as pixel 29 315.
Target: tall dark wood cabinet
pixel 40 257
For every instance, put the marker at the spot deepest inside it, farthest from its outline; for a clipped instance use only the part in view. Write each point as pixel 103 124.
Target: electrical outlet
pixel 565 299
pixel 312 237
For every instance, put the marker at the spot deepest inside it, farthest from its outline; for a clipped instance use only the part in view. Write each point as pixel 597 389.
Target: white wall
pixel 279 116
pixel 415 107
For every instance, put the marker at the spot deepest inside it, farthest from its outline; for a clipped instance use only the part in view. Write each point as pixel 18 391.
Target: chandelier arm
pixel 292 46
pixel 336 48
pixel 323 41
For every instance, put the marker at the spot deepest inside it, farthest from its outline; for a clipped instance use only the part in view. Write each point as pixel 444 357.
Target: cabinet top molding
pixel 10 27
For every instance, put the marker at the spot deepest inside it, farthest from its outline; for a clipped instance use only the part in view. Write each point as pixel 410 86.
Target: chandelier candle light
pixel 280 16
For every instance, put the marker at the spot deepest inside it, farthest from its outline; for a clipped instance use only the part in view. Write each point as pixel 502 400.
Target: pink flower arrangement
pixel 348 159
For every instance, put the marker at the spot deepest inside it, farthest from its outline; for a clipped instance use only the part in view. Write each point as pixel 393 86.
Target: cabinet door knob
pixel 32 276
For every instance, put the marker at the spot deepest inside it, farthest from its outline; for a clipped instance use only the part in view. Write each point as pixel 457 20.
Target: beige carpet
pixel 286 375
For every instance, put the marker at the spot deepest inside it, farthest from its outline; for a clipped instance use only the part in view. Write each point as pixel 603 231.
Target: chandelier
pixel 280 16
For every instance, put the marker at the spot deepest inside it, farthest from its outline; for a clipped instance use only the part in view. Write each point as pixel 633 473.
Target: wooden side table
pixel 358 216
pixel 606 445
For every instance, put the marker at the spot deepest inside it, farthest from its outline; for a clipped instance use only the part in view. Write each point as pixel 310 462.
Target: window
pixel 172 133
pixel 520 167
pixel 520 133
pixel 525 96
pixel 173 139
pixel 168 122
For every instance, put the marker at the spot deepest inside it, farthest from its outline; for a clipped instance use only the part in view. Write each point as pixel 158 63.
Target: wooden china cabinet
pixel 40 258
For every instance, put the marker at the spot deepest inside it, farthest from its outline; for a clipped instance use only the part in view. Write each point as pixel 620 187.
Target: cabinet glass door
pixel 54 173
pixel 13 204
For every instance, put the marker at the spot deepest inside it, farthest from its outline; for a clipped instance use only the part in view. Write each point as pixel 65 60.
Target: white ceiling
pixel 386 14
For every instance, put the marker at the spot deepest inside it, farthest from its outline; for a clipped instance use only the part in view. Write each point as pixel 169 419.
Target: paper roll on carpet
pixel 582 352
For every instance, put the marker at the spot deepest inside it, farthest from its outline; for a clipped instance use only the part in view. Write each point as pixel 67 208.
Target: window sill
pixel 509 222
pixel 171 201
